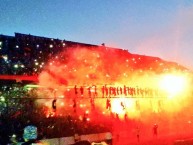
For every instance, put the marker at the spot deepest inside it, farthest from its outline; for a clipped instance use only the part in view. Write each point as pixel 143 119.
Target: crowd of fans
pixel 29 55
pixel 116 91
pixel 18 109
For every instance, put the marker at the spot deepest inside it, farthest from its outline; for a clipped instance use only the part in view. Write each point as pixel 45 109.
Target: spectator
pixel 155 130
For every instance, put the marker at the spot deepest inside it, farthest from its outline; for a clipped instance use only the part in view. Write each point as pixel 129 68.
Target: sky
pixel 161 28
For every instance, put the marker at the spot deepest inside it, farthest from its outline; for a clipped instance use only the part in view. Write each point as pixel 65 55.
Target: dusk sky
pixel 162 28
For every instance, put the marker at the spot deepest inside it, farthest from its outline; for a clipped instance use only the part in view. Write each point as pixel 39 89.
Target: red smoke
pixel 100 66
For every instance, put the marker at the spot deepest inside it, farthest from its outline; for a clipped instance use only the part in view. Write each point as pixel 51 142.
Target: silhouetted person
pixel 155 128
pixel 103 91
pixel 137 133
pixel 74 105
pixel 81 90
pixel 108 104
pixel 75 90
pixel 89 92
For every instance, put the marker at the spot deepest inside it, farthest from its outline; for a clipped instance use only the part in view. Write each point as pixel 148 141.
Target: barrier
pixel 70 140
pixel 66 140
pixel 53 141
pixel 90 137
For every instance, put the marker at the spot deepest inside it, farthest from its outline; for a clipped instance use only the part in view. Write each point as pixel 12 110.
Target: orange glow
pixel 116 106
pixel 173 84
pixel 62 104
pixel 97 69
pixel 87 111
